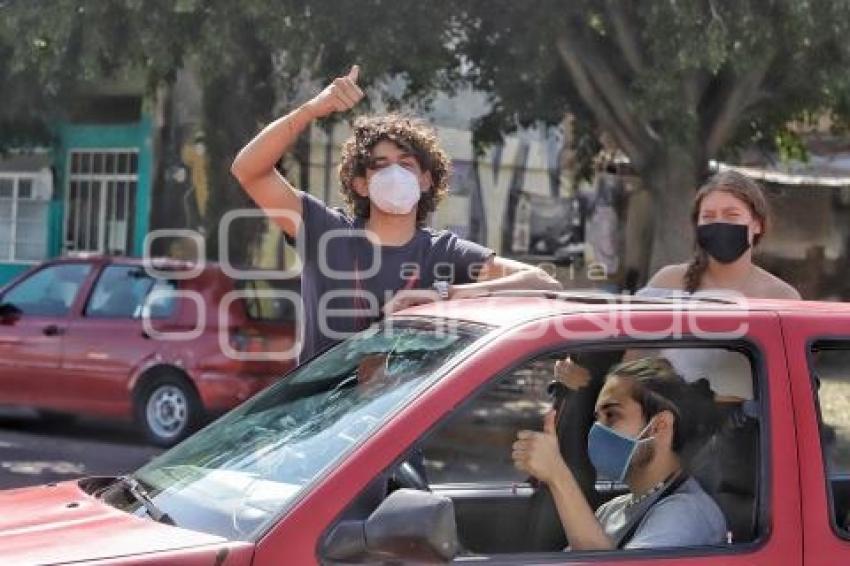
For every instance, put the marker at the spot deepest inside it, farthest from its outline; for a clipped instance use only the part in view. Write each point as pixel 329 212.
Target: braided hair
pixel 741 187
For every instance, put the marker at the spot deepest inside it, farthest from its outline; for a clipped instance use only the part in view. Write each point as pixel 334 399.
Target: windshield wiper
pixel 141 495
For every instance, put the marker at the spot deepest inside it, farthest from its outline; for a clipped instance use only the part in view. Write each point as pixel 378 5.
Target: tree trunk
pixel 223 137
pixel 237 98
pixel 672 181
pixel 514 190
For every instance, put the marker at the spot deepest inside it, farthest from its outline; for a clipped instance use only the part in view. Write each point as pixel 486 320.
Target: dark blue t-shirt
pixel 346 279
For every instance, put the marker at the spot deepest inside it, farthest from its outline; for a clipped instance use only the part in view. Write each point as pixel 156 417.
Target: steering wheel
pixel 406 475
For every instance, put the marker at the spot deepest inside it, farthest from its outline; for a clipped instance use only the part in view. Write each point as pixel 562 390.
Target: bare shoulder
pixel 775 288
pixel 669 277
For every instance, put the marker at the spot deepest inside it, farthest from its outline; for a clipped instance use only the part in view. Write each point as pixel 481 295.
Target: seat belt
pixel 671 488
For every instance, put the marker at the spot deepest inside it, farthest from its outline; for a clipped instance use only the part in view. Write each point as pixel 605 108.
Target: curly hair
pixel 744 189
pixel 410 134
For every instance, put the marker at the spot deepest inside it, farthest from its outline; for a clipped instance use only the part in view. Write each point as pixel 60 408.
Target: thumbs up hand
pixel 341 95
pixel 537 453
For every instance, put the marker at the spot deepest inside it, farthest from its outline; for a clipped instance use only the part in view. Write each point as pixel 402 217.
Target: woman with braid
pixel 730 217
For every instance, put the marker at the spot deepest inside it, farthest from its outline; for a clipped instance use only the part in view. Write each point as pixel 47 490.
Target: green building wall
pixel 137 136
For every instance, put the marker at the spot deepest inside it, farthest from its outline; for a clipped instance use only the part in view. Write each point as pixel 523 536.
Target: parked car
pixel 102 335
pixel 394 446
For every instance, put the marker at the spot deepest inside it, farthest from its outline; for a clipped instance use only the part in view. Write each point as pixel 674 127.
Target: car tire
pixel 167 409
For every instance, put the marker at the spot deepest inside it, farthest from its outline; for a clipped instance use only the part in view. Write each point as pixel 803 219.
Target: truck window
pixel 500 509
pixel 830 366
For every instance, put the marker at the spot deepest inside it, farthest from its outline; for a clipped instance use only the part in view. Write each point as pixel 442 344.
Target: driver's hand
pixel 571 374
pixel 341 95
pixel 537 453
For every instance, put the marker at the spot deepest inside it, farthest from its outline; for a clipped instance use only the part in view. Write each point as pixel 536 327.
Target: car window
pixel 830 366
pixel 475 443
pixel 234 477
pixel 502 510
pixel 121 292
pixel 160 302
pixel 49 291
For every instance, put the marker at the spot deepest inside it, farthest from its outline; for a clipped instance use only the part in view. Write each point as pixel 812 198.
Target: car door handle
pixel 53 330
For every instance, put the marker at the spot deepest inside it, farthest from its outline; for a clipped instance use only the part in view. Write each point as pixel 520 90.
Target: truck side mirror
pixel 409 525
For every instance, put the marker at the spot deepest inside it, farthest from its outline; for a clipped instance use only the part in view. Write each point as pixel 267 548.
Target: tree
pixel 675 83
pixel 256 59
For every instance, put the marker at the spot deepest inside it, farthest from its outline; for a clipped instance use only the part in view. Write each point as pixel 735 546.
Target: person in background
pixel 730 215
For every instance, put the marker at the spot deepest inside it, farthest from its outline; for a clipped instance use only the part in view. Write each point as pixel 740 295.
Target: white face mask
pixel 394 189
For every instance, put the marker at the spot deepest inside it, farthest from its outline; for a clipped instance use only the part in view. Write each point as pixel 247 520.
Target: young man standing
pixel 380 256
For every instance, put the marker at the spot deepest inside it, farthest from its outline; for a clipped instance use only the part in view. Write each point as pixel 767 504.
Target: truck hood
pixel 60 523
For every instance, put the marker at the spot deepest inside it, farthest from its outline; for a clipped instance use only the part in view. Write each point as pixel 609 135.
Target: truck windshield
pixel 235 477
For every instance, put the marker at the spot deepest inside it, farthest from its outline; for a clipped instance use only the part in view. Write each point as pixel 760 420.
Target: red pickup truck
pixel 334 465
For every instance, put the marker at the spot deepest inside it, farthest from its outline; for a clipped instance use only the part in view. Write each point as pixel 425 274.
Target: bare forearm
pixel 525 279
pixel 583 530
pixel 254 166
pixel 262 153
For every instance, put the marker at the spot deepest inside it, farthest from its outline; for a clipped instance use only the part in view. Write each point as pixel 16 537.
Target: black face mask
pixel 723 241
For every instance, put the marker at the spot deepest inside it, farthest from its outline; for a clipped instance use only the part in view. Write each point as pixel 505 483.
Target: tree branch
pixel 606 78
pixel 605 94
pixel 740 95
pixel 694 83
pixel 624 33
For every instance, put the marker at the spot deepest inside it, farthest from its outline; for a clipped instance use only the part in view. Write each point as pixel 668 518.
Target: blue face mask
pixel 610 452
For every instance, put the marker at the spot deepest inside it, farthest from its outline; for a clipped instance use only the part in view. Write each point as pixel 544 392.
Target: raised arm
pixel 254 166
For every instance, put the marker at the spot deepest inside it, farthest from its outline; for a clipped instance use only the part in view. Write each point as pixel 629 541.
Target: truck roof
pixel 505 308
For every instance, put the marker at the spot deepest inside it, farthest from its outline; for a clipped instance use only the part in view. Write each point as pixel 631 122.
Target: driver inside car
pixel 647 418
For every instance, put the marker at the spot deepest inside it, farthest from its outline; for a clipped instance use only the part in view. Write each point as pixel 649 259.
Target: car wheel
pixel 168 409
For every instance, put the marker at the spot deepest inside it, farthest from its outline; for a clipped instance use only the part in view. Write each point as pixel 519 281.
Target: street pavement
pixel 34 451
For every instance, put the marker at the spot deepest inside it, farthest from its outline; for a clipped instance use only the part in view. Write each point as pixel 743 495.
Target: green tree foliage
pixel 50 49
pixel 255 58
pixel 674 82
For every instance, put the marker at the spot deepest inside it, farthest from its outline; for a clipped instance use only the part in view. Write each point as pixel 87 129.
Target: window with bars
pixel 101 196
pixel 23 219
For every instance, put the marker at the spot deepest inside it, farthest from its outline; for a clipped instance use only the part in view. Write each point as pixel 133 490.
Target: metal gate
pixel 100 200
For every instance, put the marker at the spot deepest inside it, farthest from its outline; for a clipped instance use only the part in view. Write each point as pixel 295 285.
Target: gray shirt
pixel 342 295
pixel 686 517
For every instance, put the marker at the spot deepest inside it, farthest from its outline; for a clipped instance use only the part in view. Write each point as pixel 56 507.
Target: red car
pixel 394 446
pixel 120 337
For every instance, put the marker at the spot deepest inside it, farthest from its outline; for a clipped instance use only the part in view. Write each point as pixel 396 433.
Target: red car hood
pixel 60 523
